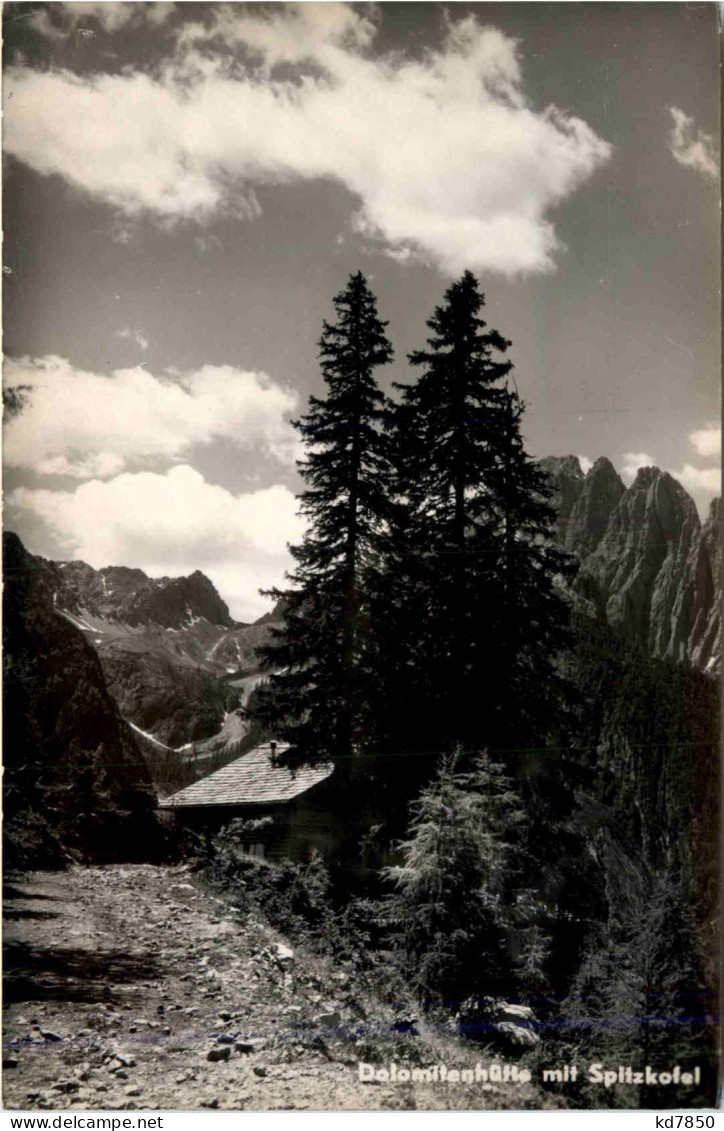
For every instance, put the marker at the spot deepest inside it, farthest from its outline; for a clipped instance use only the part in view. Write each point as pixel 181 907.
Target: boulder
pixel 222 1052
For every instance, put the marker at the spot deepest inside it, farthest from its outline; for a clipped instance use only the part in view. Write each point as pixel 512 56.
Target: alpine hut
pixel 255 786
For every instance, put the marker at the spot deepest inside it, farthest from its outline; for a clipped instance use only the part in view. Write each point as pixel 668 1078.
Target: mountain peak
pixel 603 466
pixel 122 593
pixel 645 476
pixel 647 565
pixel 562 465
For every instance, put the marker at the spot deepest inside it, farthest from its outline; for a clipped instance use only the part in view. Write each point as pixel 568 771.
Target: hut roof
pixel 250 780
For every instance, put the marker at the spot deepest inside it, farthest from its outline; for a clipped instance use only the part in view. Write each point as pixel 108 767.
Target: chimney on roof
pixel 273 748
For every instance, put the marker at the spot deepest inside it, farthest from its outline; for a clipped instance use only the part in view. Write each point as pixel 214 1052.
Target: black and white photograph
pixel 361 557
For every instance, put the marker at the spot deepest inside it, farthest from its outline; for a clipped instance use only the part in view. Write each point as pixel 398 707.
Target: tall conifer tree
pixel 478 562
pixel 531 624
pixel 320 692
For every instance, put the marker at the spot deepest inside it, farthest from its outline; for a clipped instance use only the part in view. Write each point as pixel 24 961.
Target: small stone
pixel 47 1035
pixel 10 1062
pixel 222 1053
pixel 224 1015
pixel 517 1035
pixel 284 953
pixel 331 1020
pixel 225 1039
pixel 514 1012
pixel 246 1047
pixel 405 1024
pixel 120 1073
pixel 259 1070
pixel 134 1090
pixel 66 1086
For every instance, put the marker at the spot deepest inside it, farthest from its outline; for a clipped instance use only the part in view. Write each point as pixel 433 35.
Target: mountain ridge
pixel 178 666
pixel 647 564
pixel 129 595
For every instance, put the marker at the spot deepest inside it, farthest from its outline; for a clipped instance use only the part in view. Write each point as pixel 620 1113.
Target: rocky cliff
pixel 74 778
pixel 647 564
pixel 707 646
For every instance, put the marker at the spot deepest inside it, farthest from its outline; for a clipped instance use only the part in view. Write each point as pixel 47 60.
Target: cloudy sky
pixel 188 185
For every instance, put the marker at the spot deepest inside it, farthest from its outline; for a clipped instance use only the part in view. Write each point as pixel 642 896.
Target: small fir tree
pixel 640 991
pixel 457 899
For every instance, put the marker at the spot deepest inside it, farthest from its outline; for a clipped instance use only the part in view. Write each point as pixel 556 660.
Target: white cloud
pixel 88 424
pixel 136 336
pixel 586 464
pixel 291 33
pixel 110 15
pixel 443 152
pixel 633 462
pixel 101 465
pixel 707 441
pixel 691 146
pixel 699 480
pixel 162 523
pixel 702 482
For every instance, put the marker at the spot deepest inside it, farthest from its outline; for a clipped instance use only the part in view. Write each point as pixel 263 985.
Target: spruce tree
pixel 484 618
pixel 458 897
pixel 531 628
pixel 320 691
pixel 640 996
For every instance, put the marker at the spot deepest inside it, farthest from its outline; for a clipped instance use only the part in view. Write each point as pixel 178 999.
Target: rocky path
pixel 134 988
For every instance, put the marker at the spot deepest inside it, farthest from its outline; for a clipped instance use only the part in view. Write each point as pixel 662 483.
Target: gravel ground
pixel 133 988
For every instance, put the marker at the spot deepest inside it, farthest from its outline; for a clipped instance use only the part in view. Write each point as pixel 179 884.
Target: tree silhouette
pixel 474 558
pixel 320 693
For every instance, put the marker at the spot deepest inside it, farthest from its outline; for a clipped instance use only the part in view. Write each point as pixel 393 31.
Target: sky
pixel 187 186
